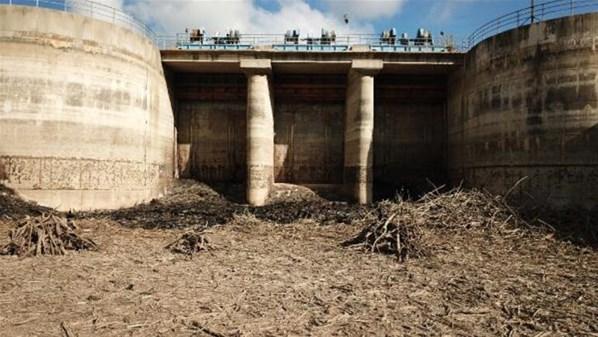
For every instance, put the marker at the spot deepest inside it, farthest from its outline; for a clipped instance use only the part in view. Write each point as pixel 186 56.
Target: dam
pixel 94 114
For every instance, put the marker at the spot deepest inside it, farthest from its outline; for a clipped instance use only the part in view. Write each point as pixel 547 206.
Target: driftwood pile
pixel 466 209
pixel 391 231
pixel 189 243
pixel 398 227
pixel 47 234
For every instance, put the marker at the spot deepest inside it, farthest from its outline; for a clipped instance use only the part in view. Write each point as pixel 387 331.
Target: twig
pixel 66 331
pixel 206 330
pixel 522 179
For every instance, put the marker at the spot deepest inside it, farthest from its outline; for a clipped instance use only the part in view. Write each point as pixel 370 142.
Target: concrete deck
pixel 228 61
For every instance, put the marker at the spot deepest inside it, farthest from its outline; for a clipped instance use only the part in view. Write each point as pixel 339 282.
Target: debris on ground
pixel 192 204
pixel 243 219
pixel 189 243
pixel 282 192
pixel 47 234
pixel 279 270
pixel 205 331
pixel 465 209
pixel 398 227
pixel 13 207
pixel 392 231
pixel 189 205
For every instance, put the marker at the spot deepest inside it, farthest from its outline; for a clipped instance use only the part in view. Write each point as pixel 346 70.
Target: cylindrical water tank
pixel 85 117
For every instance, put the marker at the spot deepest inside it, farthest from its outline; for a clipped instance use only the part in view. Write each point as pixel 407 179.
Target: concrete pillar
pixel 359 130
pixel 260 132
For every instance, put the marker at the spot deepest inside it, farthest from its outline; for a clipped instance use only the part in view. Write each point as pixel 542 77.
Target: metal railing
pixel 119 17
pixel 539 12
pixel 307 43
pixel 534 13
pixel 92 9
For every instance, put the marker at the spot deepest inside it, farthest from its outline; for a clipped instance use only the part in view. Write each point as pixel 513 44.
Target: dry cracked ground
pixel 281 271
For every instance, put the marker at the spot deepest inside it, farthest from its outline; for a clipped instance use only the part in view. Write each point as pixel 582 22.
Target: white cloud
pixel 444 11
pixel 111 3
pixel 244 15
pixel 94 7
pixel 365 9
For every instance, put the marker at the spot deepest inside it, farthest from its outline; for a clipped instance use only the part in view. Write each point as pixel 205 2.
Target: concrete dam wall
pixel 354 123
pixel 525 105
pixel 519 105
pixel 85 116
pixel 88 120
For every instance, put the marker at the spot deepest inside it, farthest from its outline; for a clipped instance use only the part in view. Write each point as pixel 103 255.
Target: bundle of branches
pixel 189 243
pixel 47 234
pixel 391 231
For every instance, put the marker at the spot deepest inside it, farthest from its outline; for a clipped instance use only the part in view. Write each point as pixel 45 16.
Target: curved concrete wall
pixel 85 117
pixel 526 104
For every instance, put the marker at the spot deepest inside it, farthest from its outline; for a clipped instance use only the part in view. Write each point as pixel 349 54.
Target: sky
pixel 456 17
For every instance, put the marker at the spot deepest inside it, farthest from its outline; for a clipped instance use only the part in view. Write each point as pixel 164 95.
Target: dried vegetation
pixel 12 207
pixel 189 243
pixel 400 227
pixel 470 267
pixel 47 234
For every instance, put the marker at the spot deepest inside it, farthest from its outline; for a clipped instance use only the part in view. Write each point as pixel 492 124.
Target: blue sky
pixel 458 17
